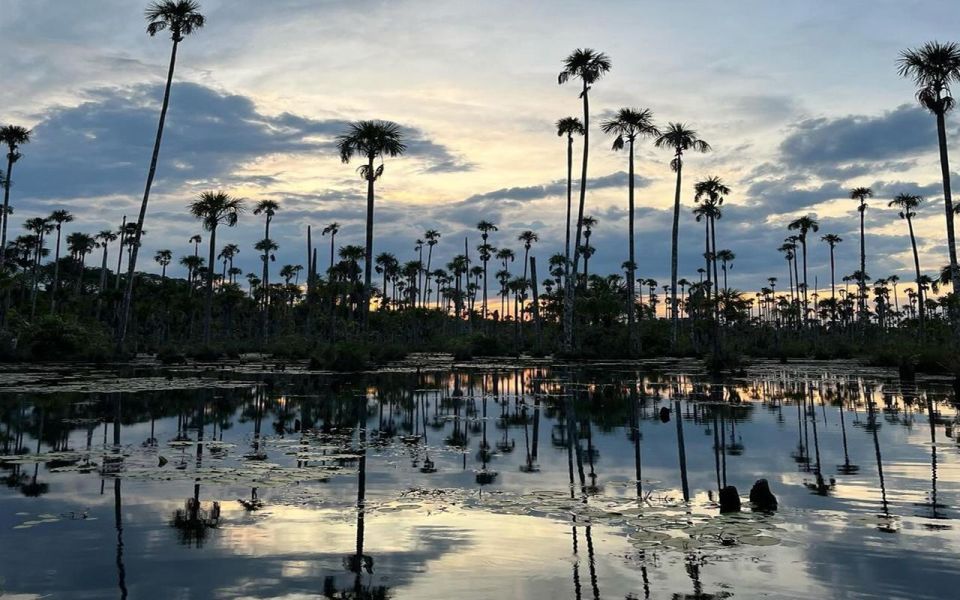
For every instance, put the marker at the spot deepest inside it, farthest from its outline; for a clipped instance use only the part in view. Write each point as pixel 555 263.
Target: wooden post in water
pixel 536 303
pixel 683 452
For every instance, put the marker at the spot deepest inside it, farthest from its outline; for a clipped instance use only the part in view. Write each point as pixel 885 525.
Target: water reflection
pixel 375 485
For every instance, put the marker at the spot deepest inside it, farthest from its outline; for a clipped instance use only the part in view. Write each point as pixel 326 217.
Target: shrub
pixel 62 338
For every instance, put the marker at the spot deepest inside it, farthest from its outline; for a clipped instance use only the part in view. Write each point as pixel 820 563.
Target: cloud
pixel 103 146
pixel 905 131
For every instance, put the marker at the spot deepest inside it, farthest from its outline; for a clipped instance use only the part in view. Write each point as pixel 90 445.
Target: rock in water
pixel 162 461
pixel 761 497
pixel 729 499
pixel 665 414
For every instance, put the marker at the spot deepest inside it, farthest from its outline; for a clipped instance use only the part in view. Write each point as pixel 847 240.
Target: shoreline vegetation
pixel 474 297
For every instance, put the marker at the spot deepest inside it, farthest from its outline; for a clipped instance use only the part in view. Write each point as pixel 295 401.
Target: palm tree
pixel 163 258
pixel 332 229
pixel 725 257
pixel 804 225
pixel 832 240
pixel 58 218
pixel 861 194
pixel 908 204
pixel 933 67
pixel 486 252
pixel 181 18
pixel 13 136
pixel 227 255
pixel 679 138
pixel 384 263
pixel 588 66
pixel 80 245
pixel 627 126
pixel 589 223
pixel 267 208
pixel 432 236
pixel 505 256
pixel 40 227
pixel 710 193
pixel 569 126
pixel 370 140
pixel 214 209
pixel 104 238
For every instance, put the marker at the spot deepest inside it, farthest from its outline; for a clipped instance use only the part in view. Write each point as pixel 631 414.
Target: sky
pixel 800 102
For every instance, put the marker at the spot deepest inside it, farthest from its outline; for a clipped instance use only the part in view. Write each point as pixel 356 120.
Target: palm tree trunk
pixel 833 284
pixel 333 235
pixel 208 302
pixel 570 295
pixel 863 270
pixel 566 265
pixel 266 281
pixel 103 269
pixel 806 302
pixel 674 241
pixel 948 207
pixel 706 254
pixel 916 265
pixel 631 267
pixel 128 295
pixel 485 288
pixel 56 273
pixel 368 259
pixel 6 209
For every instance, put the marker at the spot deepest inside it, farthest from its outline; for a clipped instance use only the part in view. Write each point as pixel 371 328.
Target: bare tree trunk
pixel 368 258
pixel 128 295
pixel 674 241
pixel 570 296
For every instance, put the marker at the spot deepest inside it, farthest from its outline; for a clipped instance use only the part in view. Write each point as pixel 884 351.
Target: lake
pixel 434 479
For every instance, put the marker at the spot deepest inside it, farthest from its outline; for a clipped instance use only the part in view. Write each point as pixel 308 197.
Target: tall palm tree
pixel 505 256
pixel 832 240
pixel 860 194
pixel 569 126
pixel 627 126
pixel 908 204
pixel 371 140
pixel 332 229
pixel 679 138
pixel 40 227
pixel 486 253
pixel 588 66
pixel 181 18
pixel 79 246
pixel 227 255
pixel 725 257
pixel 58 218
pixel 933 68
pixel 214 209
pixel 589 223
pixel 163 258
pixel 432 236
pixel 104 239
pixel 384 263
pixel 12 136
pixel 267 208
pixel 710 194
pixel 804 225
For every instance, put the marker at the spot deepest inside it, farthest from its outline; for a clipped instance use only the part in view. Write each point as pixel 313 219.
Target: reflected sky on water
pixel 510 480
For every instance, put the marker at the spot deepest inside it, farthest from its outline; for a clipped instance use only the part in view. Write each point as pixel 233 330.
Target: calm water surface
pixel 498 480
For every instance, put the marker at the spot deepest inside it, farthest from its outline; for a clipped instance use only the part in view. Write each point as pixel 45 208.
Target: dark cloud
pixel 783 195
pixel 557 188
pixel 905 131
pixel 102 146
